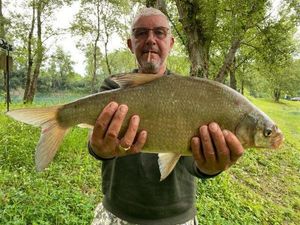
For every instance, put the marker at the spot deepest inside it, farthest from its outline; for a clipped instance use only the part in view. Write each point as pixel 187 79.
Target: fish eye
pixel 267 132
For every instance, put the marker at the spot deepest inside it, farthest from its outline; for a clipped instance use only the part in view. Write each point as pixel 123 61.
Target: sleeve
pixel 92 153
pixel 107 84
pixel 192 168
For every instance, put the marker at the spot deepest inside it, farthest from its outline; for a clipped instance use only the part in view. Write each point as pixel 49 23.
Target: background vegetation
pixel 251 46
pixel 248 45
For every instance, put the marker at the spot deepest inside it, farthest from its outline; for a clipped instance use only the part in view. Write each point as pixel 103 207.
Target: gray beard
pixel 149 67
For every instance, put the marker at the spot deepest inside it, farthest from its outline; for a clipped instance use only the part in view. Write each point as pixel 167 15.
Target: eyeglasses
pixel 143 32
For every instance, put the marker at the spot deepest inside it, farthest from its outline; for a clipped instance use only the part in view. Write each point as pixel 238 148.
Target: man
pixel 132 191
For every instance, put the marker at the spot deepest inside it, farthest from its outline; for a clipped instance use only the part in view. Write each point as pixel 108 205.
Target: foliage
pixel 179 64
pixel 234 36
pixel 59 74
pixel 89 51
pixel 97 21
pixel 122 61
pixel 264 37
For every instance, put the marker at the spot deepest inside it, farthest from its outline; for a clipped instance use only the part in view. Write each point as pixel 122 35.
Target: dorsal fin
pixel 133 79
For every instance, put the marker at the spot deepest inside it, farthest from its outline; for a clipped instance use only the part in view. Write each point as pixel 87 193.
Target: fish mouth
pixel 277 140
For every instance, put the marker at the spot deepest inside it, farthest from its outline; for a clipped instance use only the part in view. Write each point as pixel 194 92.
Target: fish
pixel 171 110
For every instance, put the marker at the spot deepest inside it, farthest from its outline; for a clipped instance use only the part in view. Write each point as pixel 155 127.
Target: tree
pixel 93 65
pixel 274 47
pixel 3 23
pixel 31 36
pixel 31 80
pixel 121 60
pixel 60 70
pixel 96 22
pixel 215 30
pixel 41 9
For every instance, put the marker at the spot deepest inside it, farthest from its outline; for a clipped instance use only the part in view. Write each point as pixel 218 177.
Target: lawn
pixel 262 188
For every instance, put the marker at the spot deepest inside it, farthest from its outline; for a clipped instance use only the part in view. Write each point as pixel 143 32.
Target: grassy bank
pixel 262 188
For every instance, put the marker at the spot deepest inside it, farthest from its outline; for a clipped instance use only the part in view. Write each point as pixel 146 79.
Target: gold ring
pixel 124 149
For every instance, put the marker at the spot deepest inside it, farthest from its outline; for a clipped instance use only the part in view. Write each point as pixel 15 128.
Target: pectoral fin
pixel 166 163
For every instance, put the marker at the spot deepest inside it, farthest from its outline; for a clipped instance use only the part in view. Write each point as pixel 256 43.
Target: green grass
pixel 262 188
pixel 66 193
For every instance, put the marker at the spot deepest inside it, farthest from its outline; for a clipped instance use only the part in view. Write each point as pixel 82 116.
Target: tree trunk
pixel 232 75
pixel 94 65
pixel 29 55
pixel 150 3
pixel 2 35
pixel 161 5
pixel 2 22
pixel 277 93
pixel 93 89
pixel 38 60
pixel 235 44
pixel 242 87
pixel 198 37
pixel 105 46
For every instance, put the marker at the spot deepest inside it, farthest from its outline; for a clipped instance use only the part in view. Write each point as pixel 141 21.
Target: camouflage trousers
pixel 104 217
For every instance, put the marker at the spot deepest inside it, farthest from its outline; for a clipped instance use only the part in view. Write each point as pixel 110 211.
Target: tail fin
pixel 52 133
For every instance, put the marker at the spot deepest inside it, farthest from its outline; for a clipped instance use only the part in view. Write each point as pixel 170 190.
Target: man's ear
pixel 129 44
pixel 172 42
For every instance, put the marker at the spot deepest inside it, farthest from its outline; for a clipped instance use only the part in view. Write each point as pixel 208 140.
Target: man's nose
pixel 151 38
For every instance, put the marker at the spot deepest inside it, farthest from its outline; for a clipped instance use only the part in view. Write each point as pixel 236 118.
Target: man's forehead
pixel 151 21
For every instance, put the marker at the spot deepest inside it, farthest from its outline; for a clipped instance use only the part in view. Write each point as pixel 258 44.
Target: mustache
pixel 151 50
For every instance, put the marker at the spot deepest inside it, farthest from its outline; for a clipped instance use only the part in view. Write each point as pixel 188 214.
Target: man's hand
pixel 215 150
pixel 104 139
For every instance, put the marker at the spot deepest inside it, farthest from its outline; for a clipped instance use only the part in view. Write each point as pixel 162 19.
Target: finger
pixel 235 147
pixel 207 146
pixel 139 143
pixel 221 149
pixel 103 120
pixel 131 132
pixel 115 125
pixel 197 150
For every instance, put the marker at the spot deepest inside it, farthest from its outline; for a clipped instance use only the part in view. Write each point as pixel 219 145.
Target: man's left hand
pixel 215 150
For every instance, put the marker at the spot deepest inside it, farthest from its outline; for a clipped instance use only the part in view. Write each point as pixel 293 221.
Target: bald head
pixel 148 12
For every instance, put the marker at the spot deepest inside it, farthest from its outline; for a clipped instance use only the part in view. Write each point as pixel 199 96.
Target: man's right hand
pixel 105 140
